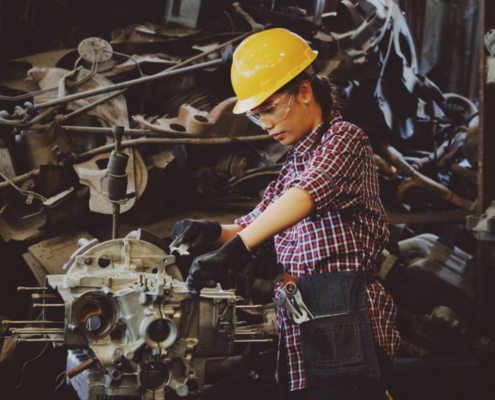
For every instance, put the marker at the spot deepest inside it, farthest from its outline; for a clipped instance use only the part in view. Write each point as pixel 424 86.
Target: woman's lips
pixel 278 136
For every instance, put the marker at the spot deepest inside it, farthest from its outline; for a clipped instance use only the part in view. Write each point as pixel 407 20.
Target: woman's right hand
pixel 191 237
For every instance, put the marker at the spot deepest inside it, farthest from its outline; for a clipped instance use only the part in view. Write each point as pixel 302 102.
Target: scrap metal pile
pixel 127 314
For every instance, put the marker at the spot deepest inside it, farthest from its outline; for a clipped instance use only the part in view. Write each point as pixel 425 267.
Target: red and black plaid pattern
pixel 347 231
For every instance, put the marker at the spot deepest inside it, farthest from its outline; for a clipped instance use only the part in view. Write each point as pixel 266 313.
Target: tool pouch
pixel 338 343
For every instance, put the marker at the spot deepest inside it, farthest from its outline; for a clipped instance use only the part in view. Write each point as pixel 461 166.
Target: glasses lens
pixel 275 111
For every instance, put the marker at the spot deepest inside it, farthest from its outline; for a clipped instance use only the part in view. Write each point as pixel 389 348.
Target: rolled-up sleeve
pixel 333 176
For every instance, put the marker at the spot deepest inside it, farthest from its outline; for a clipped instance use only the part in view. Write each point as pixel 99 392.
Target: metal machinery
pixel 130 326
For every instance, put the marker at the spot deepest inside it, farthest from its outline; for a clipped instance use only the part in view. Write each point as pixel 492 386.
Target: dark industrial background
pixel 425 100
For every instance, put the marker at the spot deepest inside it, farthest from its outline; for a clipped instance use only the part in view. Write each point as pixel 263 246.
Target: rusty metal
pixel 81 367
pixel 220 121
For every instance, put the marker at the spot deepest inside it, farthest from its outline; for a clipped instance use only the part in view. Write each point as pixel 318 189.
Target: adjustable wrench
pixel 299 316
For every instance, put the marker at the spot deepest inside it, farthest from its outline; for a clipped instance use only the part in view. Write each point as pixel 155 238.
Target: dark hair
pixel 325 92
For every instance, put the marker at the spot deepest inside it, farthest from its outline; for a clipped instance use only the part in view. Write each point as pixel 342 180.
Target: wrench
pixel 283 301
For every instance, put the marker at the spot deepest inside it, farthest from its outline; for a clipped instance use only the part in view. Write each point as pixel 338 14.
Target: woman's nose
pixel 266 125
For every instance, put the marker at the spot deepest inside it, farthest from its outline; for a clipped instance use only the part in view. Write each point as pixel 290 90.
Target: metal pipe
pixel 39 331
pixel 6 322
pixel 136 142
pixel 115 220
pixel 81 367
pixel 39 340
pixel 82 110
pixel 250 306
pixel 253 341
pixel 123 85
pixel 22 288
pixel 39 305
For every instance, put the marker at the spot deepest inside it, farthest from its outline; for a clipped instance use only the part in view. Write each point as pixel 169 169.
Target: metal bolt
pixel 88 261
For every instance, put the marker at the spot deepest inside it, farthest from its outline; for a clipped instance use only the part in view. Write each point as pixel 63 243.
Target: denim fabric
pixel 338 344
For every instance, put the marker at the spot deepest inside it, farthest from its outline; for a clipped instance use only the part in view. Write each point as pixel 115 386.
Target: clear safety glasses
pixel 275 111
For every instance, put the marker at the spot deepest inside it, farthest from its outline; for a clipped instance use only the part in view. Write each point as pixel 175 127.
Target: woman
pixel 328 225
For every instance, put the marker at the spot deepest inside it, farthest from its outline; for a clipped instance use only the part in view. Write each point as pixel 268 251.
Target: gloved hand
pixel 195 233
pixel 205 269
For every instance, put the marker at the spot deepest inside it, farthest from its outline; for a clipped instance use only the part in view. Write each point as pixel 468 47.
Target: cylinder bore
pixel 159 330
pixel 95 313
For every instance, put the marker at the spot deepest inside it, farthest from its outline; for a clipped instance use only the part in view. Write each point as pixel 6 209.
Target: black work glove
pixel 205 269
pixel 197 234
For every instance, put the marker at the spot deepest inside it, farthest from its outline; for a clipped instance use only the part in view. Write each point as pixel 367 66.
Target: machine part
pixel 48 256
pixel 430 273
pixel 490 41
pixel 93 174
pixel 131 326
pixel 418 179
pixel 483 227
pixel 219 122
pixel 95 49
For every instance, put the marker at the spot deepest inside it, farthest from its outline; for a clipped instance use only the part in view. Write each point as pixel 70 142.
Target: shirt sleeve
pixel 334 174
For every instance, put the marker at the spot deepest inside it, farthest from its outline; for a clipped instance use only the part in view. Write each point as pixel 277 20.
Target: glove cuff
pixel 236 247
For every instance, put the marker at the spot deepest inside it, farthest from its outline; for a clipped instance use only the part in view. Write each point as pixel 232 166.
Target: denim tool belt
pixel 337 343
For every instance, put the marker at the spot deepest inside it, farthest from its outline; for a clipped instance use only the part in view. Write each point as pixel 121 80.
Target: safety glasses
pixel 275 111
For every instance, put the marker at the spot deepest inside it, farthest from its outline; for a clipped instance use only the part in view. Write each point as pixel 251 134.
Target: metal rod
pixel 82 110
pixel 38 305
pixel 39 340
pixel 21 288
pixel 115 221
pixel 253 341
pixel 136 142
pixel 43 296
pixel 30 322
pixel 36 331
pixel 247 332
pixel 71 373
pixel 250 306
pixel 123 85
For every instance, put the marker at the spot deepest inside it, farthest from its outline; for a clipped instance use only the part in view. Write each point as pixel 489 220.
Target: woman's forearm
pixel 228 232
pixel 293 206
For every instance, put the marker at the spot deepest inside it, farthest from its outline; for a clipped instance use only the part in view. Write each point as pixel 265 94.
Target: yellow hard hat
pixel 264 62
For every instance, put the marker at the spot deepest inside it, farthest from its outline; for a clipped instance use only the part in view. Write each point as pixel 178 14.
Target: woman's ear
pixel 305 91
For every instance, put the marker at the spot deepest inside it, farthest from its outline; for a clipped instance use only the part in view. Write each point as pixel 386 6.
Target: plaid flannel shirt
pixel 347 231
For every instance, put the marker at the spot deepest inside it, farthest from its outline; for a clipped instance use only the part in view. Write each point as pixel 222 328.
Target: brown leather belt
pixel 370 278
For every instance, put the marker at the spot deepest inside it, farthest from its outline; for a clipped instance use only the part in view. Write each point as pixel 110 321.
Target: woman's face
pixel 288 117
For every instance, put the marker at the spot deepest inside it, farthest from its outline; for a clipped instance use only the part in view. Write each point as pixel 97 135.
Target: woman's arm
pixel 293 206
pixel 228 232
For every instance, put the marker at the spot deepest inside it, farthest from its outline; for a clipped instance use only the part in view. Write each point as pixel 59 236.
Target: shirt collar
pixel 307 141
